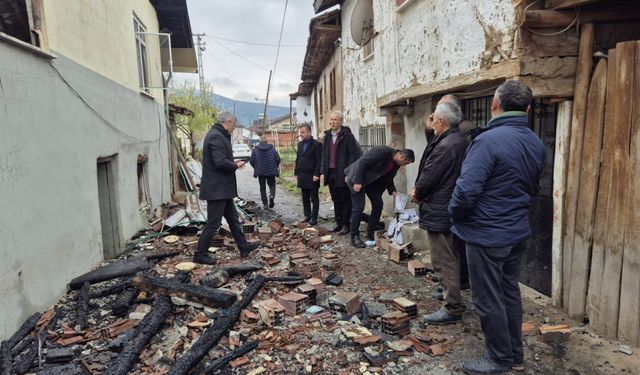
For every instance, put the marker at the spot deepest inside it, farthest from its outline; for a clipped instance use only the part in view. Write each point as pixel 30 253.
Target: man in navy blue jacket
pixel 489 210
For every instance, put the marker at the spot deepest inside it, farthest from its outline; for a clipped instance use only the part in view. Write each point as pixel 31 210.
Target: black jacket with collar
pixel 370 168
pixel 347 152
pixel 438 179
pixel 308 164
pixel 218 168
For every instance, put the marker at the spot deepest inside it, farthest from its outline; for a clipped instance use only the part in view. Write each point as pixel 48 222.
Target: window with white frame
pixel 141 53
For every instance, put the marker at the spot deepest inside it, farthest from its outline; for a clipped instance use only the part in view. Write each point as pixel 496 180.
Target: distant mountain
pixel 247 112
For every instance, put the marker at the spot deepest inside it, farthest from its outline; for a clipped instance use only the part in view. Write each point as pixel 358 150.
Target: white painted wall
pixel 427 42
pixel 305 103
pixel 50 229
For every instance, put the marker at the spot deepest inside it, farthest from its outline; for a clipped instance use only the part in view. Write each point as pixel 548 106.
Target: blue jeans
pixel 494 274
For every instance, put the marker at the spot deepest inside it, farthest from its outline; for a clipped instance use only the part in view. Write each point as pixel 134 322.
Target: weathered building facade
pixel 322 82
pixel 399 57
pixel 84 152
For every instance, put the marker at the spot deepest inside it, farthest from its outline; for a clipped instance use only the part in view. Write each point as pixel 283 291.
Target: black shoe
pixel 484 366
pixel 202 258
pixel 336 228
pixel 313 221
pixel 441 317
pixel 357 242
pixel 306 219
pixel 465 285
pixel 252 246
pixel 271 203
pixel 345 230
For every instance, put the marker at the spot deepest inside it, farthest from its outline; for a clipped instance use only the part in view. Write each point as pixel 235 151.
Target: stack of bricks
pixel 271 312
pixel 331 261
pixel 248 228
pixel 396 323
pixel 309 268
pixel 264 233
pixel 406 306
pixel 294 303
pixel 344 303
pixel 309 291
pixel 400 253
pixel 417 268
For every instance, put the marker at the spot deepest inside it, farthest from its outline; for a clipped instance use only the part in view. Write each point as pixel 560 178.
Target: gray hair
pixel 263 139
pixel 306 126
pixel 514 96
pixel 337 113
pixel 450 98
pixel 450 112
pixel 226 116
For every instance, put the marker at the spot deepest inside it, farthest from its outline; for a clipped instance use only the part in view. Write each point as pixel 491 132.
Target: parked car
pixel 241 151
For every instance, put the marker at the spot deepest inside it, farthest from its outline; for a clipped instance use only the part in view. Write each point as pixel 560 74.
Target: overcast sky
pixel 253 21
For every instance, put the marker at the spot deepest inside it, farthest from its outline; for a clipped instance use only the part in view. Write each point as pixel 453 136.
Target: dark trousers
pixel 341 197
pixel 215 211
pixel 494 274
pixel 357 206
pixel 267 180
pixel 459 245
pixel 309 198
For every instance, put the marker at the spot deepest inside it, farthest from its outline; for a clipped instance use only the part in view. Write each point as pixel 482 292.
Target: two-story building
pixel 399 57
pixel 84 149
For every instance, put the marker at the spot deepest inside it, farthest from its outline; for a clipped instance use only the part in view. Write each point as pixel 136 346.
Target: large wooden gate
pixel 601 257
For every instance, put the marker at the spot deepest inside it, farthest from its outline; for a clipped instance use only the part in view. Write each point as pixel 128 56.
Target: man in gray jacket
pixel 218 187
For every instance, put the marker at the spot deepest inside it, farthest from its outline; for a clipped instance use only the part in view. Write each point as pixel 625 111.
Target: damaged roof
pixel 173 17
pixel 320 5
pixel 324 31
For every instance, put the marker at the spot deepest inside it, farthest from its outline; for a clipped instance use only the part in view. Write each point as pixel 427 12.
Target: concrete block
pixel 412 233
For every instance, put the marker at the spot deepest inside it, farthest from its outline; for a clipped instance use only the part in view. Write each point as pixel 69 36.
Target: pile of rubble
pixel 286 310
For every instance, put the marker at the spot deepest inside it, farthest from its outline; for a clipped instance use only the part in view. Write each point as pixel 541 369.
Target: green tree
pixel 201 103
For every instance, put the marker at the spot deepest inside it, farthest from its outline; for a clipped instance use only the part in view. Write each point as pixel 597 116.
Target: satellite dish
pixel 362 22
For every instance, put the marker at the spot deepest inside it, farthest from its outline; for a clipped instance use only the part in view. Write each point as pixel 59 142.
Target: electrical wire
pixel 107 122
pixel 251 62
pixel 284 15
pixel 576 19
pixel 255 43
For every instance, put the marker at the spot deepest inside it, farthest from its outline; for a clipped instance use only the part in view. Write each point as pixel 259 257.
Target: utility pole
pixel 201 46
pixel 266 104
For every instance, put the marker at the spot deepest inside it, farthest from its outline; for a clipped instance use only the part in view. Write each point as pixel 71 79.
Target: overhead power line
pixel 257 43
pixel 251 62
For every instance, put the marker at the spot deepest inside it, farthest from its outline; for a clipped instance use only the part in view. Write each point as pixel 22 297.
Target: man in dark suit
pixel 219 187
pixel 371 175
pixel 339 150
pixel 433 190
pixel 307 172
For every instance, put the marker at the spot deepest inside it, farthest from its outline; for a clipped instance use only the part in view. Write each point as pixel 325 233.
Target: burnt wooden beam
pixel 123 302
pixel 242 268
pixel 212 335
pixel 566 4
pixel 169 287
pixel 6 366
pixel 144 331
pixel 562 18
pixel 163 256
pixel 25 361
pixel 223 361
pixel 111 271
pixel 113 289
pixel 24 330
pixel 83 306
